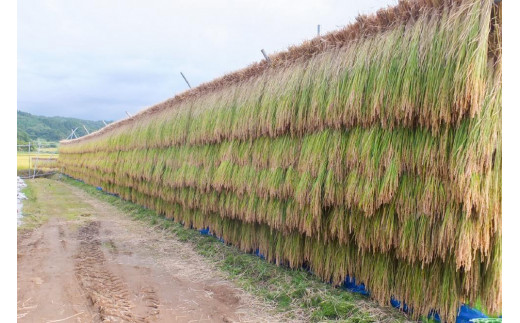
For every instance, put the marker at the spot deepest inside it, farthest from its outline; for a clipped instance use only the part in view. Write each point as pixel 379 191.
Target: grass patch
pixel 37 209
pixel 32 217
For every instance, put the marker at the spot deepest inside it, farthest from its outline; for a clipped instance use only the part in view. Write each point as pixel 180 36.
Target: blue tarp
pixel 99 188
pixel 466 313
pixel 259 254
pixel 350 284
pixel 205 231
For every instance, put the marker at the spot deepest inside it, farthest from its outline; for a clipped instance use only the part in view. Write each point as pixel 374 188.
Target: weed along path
pixel 83 256
pixel 88 262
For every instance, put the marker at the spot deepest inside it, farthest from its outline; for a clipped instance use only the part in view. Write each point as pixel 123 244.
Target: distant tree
pixel 22 137
pixel 51 129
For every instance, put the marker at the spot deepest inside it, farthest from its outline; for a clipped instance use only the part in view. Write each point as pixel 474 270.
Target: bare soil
pixel 100 266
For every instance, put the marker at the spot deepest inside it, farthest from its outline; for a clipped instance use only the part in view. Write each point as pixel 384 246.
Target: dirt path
pixel 97 265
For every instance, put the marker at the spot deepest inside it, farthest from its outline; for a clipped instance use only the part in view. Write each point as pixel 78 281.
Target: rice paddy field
pixel 372 152
pixel 25 160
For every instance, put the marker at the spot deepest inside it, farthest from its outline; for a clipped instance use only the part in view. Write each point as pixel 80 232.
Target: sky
pixel 97 59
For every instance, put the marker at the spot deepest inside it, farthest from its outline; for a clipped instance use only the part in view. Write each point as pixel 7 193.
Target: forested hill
pixel 32 127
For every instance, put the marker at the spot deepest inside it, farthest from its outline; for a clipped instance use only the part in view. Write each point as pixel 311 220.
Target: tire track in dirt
pixel 62 237
pixel 47 286
pixel 101 266
pixel 106 292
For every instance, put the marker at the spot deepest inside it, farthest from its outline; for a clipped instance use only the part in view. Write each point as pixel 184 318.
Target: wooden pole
pixel 185 79
pixel 37 156
pixel 266 57
pixel 73 133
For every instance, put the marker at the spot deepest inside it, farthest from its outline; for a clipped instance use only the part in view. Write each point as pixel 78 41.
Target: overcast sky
pixel 97 59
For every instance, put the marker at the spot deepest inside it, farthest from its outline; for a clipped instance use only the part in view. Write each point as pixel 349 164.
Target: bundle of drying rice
pixel 373 152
